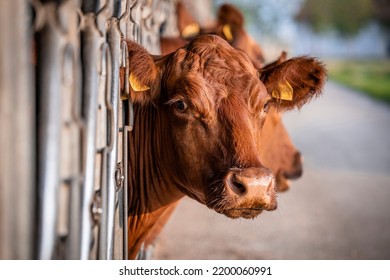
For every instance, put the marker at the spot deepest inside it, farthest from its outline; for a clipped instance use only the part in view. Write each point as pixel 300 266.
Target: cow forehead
pixel 210 68
pixel 212 53
pixel 207 93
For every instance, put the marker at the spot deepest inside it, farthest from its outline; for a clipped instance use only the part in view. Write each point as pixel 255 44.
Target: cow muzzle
pixel 297 167
pixel 294 172
pixel 250 190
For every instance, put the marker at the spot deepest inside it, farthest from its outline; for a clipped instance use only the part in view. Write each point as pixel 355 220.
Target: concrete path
pixel 339 209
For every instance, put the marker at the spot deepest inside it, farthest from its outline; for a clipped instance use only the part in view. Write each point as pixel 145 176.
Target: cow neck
pixel 151 189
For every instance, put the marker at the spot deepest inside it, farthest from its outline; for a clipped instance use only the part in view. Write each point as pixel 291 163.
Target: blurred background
pixel 340 207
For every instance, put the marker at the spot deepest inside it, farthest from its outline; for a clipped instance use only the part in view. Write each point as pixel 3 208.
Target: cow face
pixel 215 105
pixel 277 151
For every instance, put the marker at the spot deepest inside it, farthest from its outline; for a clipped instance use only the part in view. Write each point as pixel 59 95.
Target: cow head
pixel 214 103
pixel 277 151
pixel 230 22
pixel 229 25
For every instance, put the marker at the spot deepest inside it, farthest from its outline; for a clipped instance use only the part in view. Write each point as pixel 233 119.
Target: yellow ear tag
pixel 135 84
pixel 227 32
pixel 190 30
pixel 283 91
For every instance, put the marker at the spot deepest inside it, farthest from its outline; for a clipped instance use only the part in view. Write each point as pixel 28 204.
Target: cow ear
pixel 231 21
pixel 144 74
pixel 229 14
pixel 186 23
pixel 294 82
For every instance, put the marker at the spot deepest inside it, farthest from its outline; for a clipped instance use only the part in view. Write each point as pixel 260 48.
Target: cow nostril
pixel 251 183
pixel 237 186
pixel 240 188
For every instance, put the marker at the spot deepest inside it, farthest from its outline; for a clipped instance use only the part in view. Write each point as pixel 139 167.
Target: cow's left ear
pixel 294 82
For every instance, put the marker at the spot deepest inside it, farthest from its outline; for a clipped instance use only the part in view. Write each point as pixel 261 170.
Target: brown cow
pixel 229 25
pixel 281 156
pixel 198 118
pixel 277 153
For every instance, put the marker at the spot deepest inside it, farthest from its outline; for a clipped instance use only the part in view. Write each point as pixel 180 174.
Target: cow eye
pixel 180 105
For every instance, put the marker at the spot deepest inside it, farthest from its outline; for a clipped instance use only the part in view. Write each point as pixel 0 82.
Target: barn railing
pixel 65 124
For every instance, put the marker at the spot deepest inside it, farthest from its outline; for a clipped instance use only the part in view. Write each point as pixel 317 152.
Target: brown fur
pixel 171 44
pixel 230 14
pixel 196 133
pixel 278 152
pixel 306 75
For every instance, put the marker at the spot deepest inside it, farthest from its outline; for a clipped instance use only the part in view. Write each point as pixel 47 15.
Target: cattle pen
pixel 65 123
pixel 114 112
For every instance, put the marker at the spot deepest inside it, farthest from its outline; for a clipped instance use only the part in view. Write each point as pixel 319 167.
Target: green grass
pixel 369 76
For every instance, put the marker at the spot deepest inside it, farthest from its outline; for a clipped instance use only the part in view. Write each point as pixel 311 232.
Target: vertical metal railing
pixel 58 96
pixel 91 41
pixel 17 136
pixel 65 124
pixel 49 43
pixel 95 56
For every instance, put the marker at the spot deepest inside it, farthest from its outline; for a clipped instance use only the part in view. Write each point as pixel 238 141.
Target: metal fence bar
pixel 114 39
pixel 49 43
pixel 59 129
pixel 17 137
pixel 71 131
pixel 105 91
pixel 91 43
pixel 121 174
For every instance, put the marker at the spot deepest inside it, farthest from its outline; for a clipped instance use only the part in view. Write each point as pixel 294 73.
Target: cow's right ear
pixel 144 76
